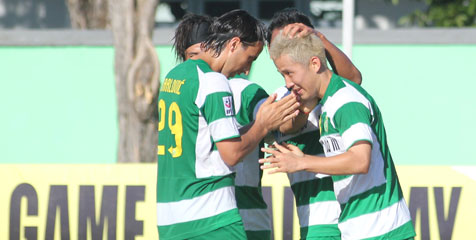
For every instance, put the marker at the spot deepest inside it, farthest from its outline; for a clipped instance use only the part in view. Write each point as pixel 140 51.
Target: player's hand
pixel 284 158
pixel 298 30
pixel 272 114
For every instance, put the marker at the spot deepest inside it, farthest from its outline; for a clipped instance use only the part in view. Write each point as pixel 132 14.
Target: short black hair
pixel 236 23
pixel 285 17
pixel 192 29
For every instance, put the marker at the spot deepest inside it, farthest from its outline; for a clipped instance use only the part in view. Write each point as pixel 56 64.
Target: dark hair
pixel 236 23
pixel 191 30
pixel 285 17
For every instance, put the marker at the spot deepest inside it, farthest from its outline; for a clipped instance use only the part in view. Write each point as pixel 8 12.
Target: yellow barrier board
pixel 64 201
pixel 117 201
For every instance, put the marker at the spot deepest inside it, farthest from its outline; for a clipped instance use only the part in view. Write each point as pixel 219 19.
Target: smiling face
pixel 299 77
pixel 240 58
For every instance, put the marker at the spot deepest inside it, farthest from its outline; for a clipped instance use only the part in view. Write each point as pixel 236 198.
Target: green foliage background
pixel 442 13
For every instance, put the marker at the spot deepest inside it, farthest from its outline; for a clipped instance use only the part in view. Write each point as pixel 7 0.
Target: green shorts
pixel 234 231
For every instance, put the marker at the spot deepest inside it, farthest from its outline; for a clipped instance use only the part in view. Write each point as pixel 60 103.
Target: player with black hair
pixel 247 96
pixel 192 30
pixel 199 140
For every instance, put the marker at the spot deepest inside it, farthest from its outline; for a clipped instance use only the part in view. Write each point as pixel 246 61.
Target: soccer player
pixel 354 141
pixel 317 207
pixel 199 140
pixel 247 97
pixel 190 33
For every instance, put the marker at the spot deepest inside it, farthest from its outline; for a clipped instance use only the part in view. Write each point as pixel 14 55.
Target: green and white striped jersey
pixel 373 206
pixel 247 98
pixel 195 188
pixel 317 208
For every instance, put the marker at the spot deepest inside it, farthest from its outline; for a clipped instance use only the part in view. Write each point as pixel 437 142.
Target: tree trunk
pixel 88 14
pixel 137 78
pixel 136 75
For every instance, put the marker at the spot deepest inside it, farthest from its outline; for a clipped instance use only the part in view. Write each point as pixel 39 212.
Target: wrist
pixel 319 35
pixel 262 127
pixel 302 163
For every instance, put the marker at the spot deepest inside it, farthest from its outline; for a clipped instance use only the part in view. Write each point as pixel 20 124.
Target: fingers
pixel 287 101
pixel 288 107
pixel 282 148
pixel 270 99
pixel 297 30
pixel 291 147
pixel 270 151
pixel 294 31
pixel 274 167
pixel 290 116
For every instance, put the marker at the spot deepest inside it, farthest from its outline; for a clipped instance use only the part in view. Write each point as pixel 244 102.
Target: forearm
pixel 233 150
pixel 355 161
pixel 342 164
pixel 341 63
pixel 295 124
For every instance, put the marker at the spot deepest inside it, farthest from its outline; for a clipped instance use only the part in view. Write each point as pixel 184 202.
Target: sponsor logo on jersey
pixel 228 104
pixel 332 144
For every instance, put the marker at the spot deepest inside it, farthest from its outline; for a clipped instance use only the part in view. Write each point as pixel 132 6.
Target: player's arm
pixel 340 63
pixel 353 121
pixel 289 158
pixel 270 115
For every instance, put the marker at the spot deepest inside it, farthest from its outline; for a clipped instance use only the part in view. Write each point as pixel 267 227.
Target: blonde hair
pixel 299 49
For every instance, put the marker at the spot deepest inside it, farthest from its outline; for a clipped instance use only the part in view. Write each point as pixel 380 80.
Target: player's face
pixel 193 51
pixel 298 77
pixel 240 59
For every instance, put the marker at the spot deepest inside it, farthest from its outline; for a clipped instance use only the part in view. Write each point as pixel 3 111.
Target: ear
pixel 315 64
pixel 235 42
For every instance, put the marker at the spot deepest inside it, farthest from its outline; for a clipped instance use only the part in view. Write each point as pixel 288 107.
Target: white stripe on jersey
pixel 322 212
pixel 376 223
pixel 359 183
pixel 211 166
pixel 356 132
pixel 207 163
pixel 223 128
pixel 343 96
pixel 261 220
pixel 217 80
pixel 207 205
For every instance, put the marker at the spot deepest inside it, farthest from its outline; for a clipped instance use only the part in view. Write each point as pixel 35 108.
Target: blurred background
pixel 80 78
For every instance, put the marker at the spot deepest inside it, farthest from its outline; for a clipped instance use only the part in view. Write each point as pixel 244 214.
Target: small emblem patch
pixel 228 103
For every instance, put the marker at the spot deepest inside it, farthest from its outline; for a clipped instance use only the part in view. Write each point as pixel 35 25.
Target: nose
pixel 289 83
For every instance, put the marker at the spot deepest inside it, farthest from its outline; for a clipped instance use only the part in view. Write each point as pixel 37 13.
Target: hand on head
pixel 298 30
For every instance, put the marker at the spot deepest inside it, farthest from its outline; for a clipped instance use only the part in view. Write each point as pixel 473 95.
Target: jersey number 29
pixel 176 127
